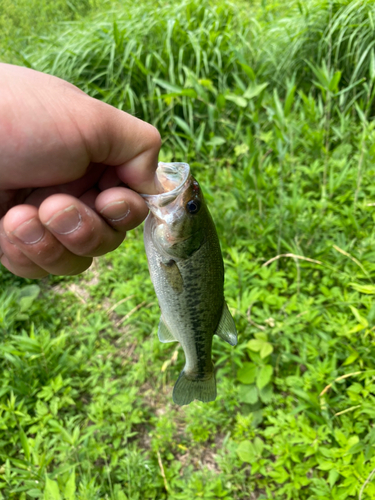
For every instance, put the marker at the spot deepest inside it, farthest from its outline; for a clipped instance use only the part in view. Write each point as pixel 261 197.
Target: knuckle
pixel 47 253
pixel 88 244
pixel 98 243
pixel 17 258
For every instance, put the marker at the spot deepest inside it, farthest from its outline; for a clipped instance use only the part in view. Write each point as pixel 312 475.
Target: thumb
pixel 52 131
pixel 118 139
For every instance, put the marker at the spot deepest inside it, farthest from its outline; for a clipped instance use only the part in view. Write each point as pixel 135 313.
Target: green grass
pixel 25 20
pixel 287 165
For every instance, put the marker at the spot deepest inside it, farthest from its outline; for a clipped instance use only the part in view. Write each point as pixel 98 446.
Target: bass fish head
pixel 180 212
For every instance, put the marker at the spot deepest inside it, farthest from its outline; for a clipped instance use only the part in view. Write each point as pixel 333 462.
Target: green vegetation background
pixel 273 105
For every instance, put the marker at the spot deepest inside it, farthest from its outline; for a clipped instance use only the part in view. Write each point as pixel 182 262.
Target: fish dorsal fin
pixel 227 329
pixel 163 332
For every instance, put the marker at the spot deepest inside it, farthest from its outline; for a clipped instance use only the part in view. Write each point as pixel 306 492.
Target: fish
pixel 187 271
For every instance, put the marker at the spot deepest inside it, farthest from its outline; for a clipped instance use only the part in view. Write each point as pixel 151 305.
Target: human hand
pixel 65 159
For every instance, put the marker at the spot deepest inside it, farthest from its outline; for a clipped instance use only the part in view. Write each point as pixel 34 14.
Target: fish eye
pixel 193 206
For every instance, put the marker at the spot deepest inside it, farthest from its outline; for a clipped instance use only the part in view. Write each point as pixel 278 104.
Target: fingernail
pixel 116 211
pixel 66 221
pixel 29 232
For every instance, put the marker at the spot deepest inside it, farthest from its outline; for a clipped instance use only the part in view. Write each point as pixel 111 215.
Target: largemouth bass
pixel 186 269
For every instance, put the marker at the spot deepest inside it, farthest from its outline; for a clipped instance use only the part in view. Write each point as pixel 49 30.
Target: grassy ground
pixel 273 108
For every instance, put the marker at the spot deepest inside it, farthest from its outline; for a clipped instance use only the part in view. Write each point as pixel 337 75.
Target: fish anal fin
pixel 164 333
pixel 226 329
pixel 187 389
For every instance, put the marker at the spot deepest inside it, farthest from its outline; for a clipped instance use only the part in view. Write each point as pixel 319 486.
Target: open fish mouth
pixel 172 179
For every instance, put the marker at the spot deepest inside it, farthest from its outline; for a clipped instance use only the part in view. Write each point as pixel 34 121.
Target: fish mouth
pixel 170 180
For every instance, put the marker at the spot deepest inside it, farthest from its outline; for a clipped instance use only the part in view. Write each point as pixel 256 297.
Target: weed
pixel 269 106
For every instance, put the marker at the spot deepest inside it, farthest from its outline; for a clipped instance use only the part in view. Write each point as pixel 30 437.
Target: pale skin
pixel 65 159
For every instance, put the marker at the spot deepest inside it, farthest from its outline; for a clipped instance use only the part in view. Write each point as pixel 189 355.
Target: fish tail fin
pixel 186 389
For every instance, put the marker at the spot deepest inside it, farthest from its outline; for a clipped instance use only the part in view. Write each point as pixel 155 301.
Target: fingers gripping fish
pixel 187 272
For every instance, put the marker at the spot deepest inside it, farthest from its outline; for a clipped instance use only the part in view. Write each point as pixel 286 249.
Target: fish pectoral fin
pixel 227 329
pixel 187 389
pixel 164 334
pixel 172 274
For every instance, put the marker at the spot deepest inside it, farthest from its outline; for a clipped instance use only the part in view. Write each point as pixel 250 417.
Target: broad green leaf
pixel 26 344
pixel 246 451
pixel 289 100
pixel 51 490
pixel 332 477
pixel 248 394
pixel 64 433
pixel 333 84
pixel 356 329
pixel 258 446
pixel 247 373
pixel 255 345
pixel 368 289
pixel 27 296
pixel 184 126
pixel 189 93
pixel 266 350
pixel 34 493
pixel 363 321
pixel 356 448
pixel 216 141
pixel 261 336
pixel 237 99
pixel 70 487
pixel 266 137
pixel 121 496
pixel 248 70
pixel 326 465
pixel 241 149
pixel 184 92
pixel 25 444
pixel 352 441
pixel 266 393
pixel 279 474
pixel 220 101
pixel 254 90
pixel 264 376
pixel 167 85
pixel 206 83
pixel 350 359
